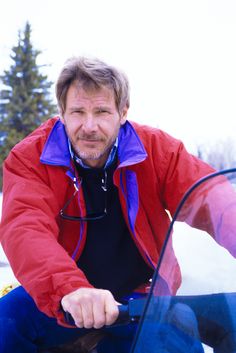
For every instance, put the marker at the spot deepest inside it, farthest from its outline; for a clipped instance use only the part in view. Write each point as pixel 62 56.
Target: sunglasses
pixel 91 216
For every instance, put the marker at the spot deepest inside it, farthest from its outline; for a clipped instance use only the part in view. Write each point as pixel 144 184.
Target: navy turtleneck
pixel 110 259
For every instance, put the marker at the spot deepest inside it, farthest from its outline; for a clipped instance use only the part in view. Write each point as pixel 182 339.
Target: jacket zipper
pixel 73 175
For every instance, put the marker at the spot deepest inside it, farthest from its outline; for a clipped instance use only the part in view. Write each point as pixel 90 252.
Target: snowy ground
pixel 206 267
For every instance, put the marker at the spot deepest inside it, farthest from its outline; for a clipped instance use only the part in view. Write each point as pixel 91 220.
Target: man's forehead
pixel 91 87
pixel 80 91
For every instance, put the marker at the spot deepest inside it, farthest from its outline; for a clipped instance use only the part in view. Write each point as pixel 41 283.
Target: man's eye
pixel 77 112
pixel 103 111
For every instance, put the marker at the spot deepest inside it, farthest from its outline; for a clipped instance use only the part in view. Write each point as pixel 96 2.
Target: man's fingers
pixel 75 311
pixel 91 308
pixel 87 314
pixel 99 312
pixel 78 317
pixel 111 310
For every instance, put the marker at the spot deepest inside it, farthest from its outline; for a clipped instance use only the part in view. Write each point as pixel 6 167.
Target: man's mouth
pixel 89 139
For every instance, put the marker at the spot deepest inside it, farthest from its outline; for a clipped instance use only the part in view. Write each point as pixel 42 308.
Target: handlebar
pixel 123 316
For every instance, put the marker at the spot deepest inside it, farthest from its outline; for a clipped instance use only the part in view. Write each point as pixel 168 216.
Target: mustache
pixel 89 137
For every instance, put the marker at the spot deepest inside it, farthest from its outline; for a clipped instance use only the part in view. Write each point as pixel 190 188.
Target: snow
pixel 206 267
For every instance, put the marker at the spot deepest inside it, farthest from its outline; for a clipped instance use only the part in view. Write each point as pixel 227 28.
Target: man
pixel 84 213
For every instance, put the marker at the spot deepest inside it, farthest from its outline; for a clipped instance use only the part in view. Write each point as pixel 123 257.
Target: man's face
pixel 92 123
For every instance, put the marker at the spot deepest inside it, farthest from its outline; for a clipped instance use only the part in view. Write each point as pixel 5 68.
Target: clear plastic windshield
pixel 196 310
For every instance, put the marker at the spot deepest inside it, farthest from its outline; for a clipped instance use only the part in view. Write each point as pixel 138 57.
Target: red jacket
pixel 153 173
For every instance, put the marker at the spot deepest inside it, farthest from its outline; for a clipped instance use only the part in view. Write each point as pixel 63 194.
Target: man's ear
pixel 124 114
pixel 60 114
pixel 61 117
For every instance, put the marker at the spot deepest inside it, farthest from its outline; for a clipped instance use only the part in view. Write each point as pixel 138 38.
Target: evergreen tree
pixel 25 100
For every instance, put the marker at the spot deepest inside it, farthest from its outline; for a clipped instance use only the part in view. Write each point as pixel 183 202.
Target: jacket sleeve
pixel 177 169
pixel 29 233
pixel 211 206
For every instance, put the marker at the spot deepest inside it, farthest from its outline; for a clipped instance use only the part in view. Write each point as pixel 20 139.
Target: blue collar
pixel 56 149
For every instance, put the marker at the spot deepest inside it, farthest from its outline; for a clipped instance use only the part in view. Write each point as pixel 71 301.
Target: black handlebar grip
pixel 123 314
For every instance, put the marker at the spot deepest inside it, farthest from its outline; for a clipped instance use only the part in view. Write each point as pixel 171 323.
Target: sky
pixel 180 56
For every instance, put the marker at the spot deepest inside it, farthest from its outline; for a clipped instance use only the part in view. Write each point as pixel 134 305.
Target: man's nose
pixel 89 124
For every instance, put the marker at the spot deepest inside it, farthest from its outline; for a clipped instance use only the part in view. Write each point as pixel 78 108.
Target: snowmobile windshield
pixel 191 306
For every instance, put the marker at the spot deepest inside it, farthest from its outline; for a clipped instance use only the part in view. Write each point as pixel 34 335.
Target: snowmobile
pixel 195 311
pixel 203 310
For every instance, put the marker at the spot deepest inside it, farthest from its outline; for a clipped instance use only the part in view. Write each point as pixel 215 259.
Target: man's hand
pixel 91 307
